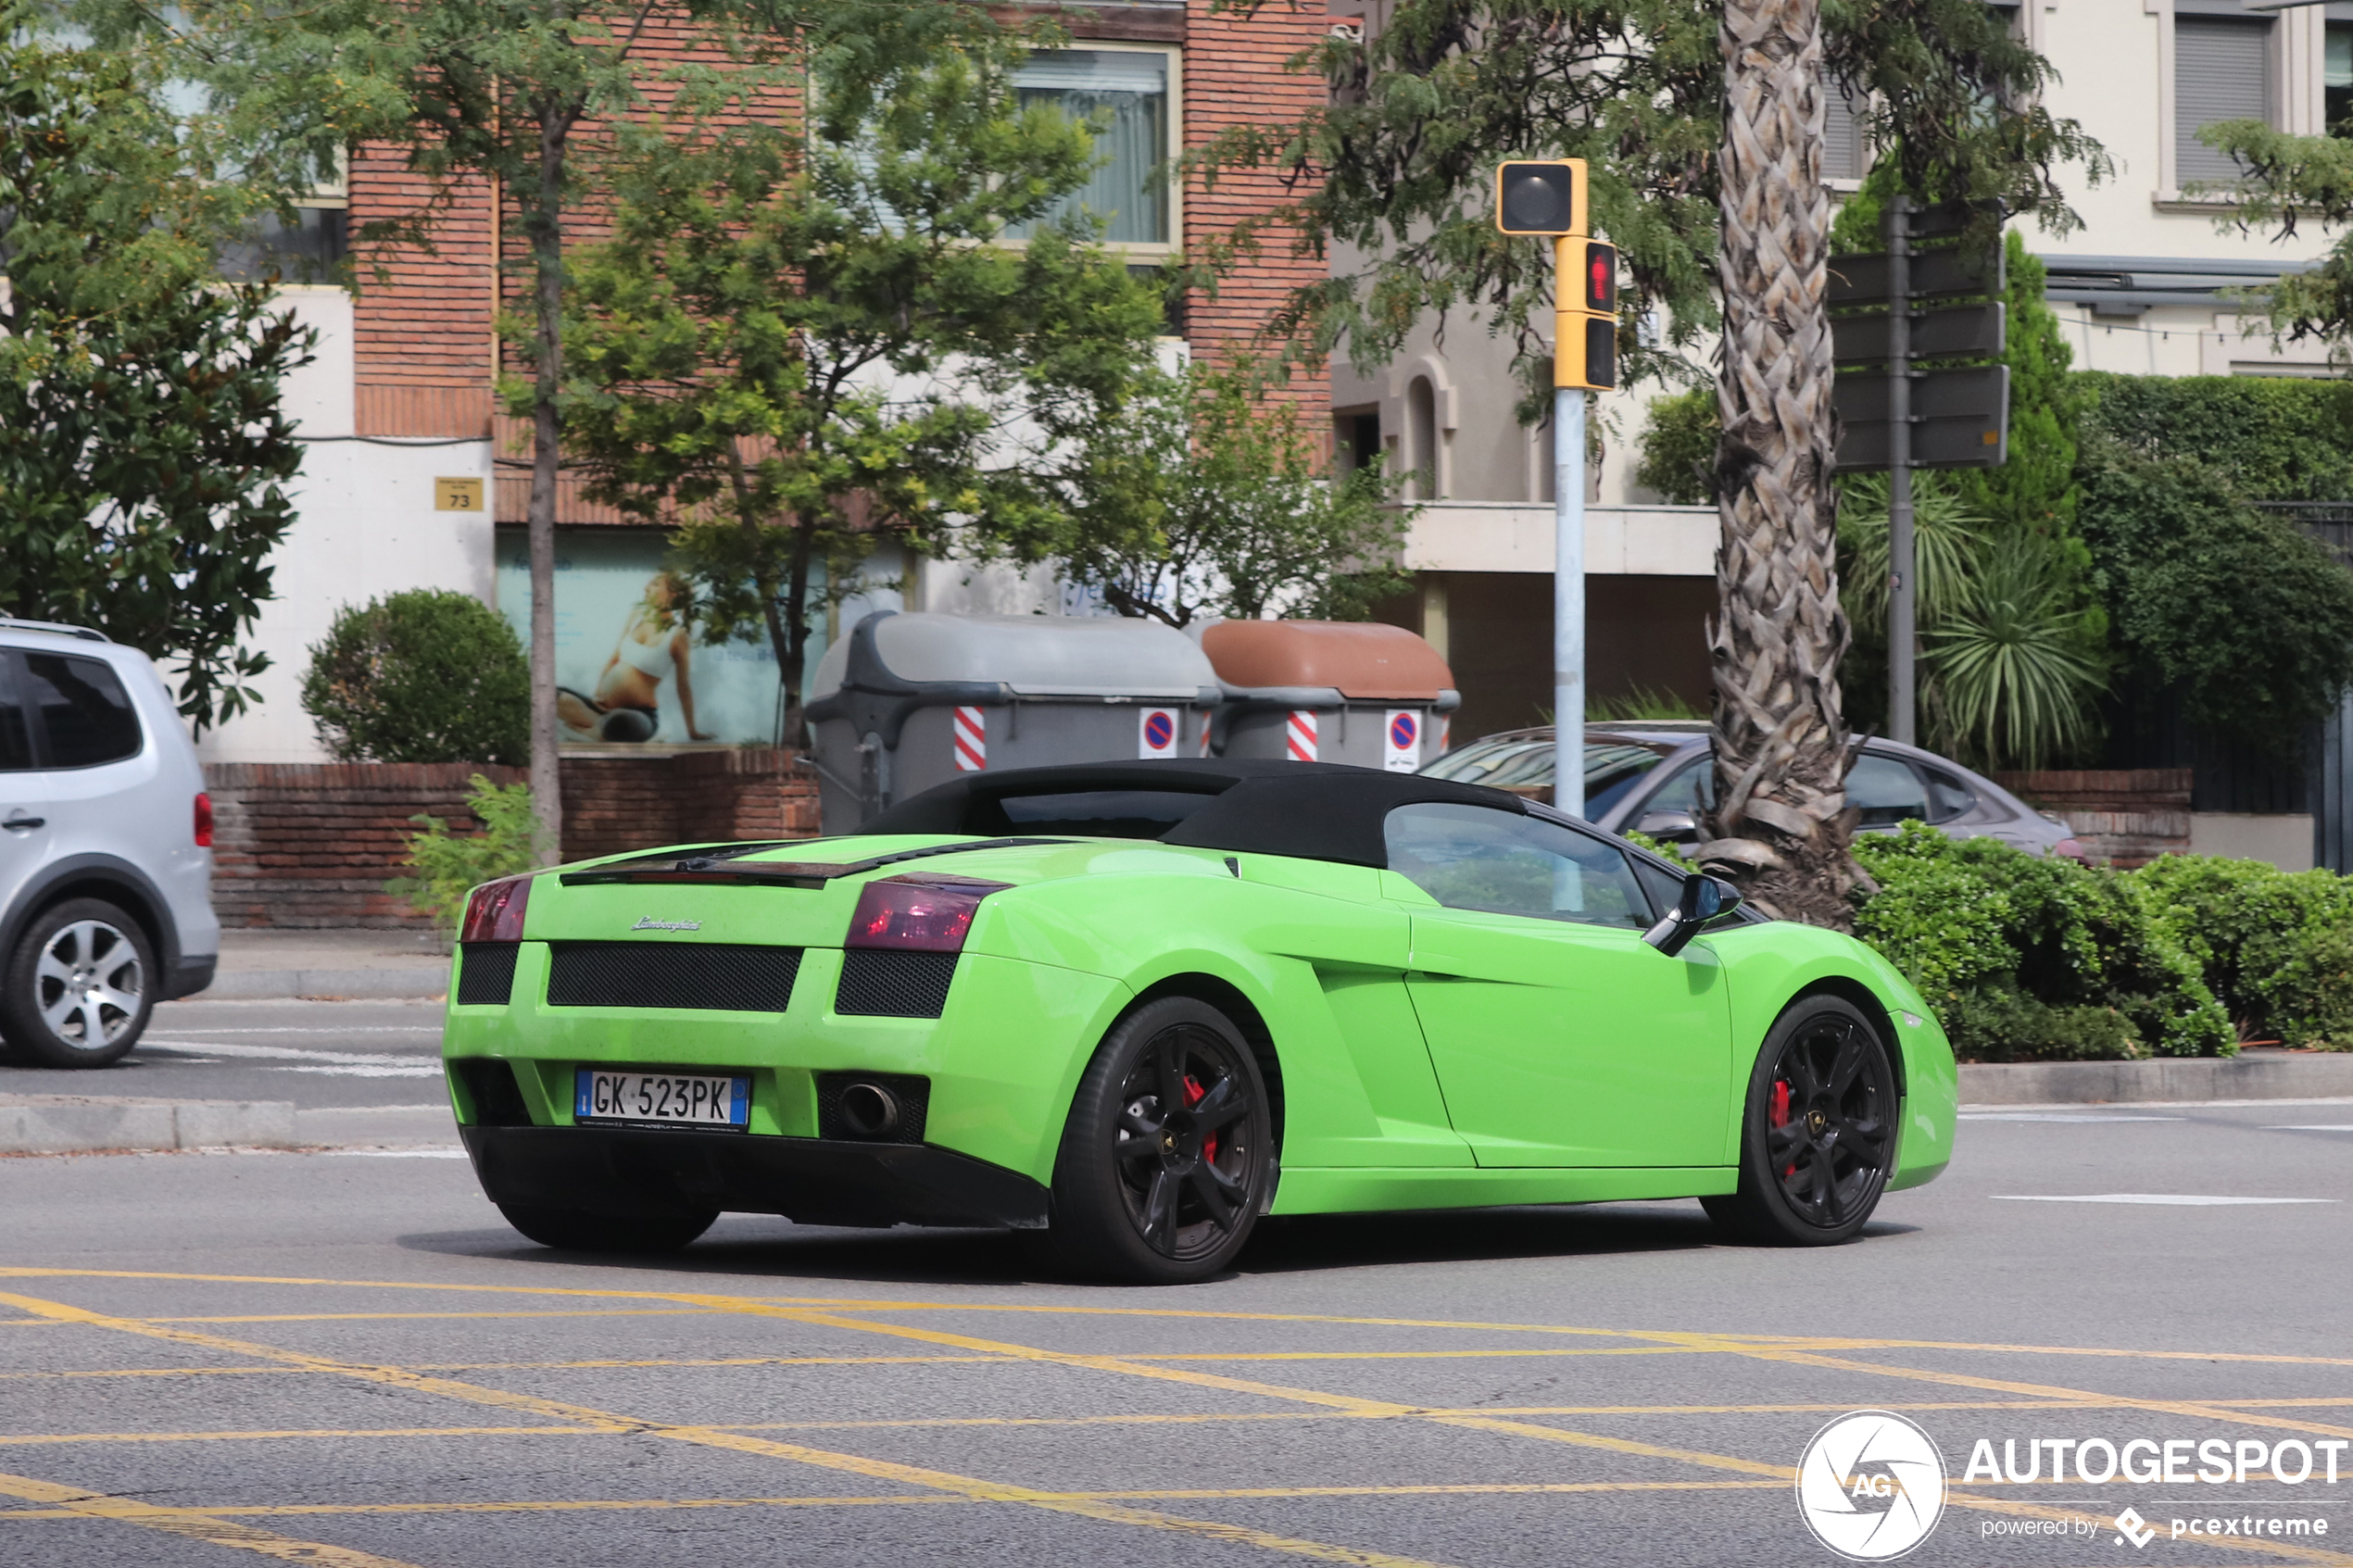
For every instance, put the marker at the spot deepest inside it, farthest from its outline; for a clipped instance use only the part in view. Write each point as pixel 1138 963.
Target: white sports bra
pixel 650 659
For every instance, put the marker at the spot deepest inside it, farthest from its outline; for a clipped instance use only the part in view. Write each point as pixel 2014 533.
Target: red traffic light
pixel 1601 278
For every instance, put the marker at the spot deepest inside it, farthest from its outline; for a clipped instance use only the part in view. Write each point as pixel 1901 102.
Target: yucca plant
pixel 1946 536
pixel 2010 676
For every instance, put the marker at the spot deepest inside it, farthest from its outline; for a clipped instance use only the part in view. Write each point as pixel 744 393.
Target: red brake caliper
pixel 1777 1114
pixel 1194 1094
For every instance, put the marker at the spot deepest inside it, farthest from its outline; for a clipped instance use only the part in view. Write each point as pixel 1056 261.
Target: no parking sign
pixel 1400 741
pixel 1156 730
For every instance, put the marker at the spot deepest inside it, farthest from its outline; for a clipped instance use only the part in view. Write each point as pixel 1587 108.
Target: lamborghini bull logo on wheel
pixel 1871 1486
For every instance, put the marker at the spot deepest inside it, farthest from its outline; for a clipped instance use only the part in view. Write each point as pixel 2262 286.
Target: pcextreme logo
pixel 1871 1486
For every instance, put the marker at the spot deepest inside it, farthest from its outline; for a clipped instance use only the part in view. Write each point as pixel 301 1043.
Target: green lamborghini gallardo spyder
pixel 1128 1009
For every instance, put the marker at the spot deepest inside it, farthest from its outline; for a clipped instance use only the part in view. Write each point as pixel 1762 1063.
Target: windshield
pixel 1524 763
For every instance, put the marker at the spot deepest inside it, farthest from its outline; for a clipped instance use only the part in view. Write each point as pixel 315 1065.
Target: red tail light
pixel 917 915
pixel 493 913
pixel 204 822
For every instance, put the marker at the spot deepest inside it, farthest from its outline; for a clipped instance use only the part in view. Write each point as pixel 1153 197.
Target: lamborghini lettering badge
pixel 646 923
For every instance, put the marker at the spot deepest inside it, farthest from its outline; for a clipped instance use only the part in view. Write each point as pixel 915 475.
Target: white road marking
pixel 2312 1127
pixel 322 1029
pixel 368 1110
pixel 399 1153
pixel 367 1071
pixel 2183 1200
pixel 293 1053
pixel 2055 1116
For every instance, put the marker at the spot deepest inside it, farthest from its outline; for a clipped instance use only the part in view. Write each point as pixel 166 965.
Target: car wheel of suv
pixel 1817 1136
pixel 79 987
pixel 578 1230
pixel 1166 1158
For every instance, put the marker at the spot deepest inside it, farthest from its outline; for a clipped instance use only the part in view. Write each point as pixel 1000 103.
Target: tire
pixel 1818 1134
pixel 579 1230
pixel 1154 1195
pixel 80 986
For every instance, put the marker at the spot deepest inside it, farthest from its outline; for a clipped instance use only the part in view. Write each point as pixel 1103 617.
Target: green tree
pixel 1208 495
pixel 2250 619
pixel 535 96
pixel 143 452
pixel 797 347
pixel 423 676
pixel 1703 131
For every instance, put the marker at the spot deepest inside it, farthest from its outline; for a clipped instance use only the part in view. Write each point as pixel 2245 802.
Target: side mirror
pixel 1702 900
pixel 1668 827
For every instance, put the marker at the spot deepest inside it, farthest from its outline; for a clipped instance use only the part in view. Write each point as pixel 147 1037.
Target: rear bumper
pixel 814 1181
pixel 190 976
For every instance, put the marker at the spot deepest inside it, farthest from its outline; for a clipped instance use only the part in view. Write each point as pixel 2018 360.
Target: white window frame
pixel 1149 250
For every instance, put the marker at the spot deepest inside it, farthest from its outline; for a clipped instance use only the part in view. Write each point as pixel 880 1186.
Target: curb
pixel 377 985
pixel 2167 1078
pixel 77 1123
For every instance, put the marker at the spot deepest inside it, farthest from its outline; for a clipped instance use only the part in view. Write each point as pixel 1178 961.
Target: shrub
pixel 1678 449
pixel 423 676
pixel 2275 947
pixel 2030 957
pixel 450 866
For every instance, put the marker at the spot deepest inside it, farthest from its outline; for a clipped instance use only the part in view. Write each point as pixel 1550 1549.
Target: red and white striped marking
pixel 972 740
pixel 1299 734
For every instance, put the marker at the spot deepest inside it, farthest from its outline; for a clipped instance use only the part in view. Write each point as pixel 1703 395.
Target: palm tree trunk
pixel 1779 824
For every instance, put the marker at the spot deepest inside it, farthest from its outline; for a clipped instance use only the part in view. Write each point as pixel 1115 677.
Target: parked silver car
pixel 106 846
pixel 1658 777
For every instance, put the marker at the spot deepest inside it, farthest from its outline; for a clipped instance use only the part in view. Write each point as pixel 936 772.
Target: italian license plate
pixel 682 1099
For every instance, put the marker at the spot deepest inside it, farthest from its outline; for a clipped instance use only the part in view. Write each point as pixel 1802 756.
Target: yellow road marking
pixel 2195 1408
pixel 1473 1488
pixel 365 1317
pixel 874 1469
pixel 38 1439
pixel 1744 1341
pixel 193 1523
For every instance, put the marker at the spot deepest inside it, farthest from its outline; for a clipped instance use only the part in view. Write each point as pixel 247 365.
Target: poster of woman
pixel 656 645
pixel 631 666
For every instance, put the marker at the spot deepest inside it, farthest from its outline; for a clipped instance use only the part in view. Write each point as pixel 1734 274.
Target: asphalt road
pixel 313 1053
pixel 348 1358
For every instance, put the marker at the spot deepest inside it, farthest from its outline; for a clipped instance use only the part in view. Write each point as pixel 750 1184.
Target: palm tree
pixel 1781 740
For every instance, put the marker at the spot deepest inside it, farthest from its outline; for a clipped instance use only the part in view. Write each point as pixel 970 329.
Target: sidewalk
pixel 330 963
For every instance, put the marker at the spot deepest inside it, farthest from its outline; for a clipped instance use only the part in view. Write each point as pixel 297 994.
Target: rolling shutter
pixel 2222 71
pixel 1845 156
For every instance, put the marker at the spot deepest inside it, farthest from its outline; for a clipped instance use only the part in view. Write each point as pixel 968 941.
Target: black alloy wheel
pixel 1817 1136
pixel 80 987
pixel 580 1229
pixel 1166 1162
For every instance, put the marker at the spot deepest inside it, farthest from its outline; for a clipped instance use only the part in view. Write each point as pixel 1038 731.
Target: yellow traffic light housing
pixel 1541 196
pixel 1585 320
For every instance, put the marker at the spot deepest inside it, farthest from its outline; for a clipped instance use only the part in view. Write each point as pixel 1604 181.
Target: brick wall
pixel 1234 75
pixel 2128 816
pixel 313 844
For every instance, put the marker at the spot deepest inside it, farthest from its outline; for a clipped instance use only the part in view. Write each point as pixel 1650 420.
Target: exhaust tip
pixel 869 1110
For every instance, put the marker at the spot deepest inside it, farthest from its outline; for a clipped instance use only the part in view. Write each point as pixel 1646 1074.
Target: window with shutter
pixel 2222 71
pixel 1845 154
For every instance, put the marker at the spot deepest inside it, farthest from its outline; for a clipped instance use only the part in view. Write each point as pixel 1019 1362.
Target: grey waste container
pixel 909 701
pixel 1330 691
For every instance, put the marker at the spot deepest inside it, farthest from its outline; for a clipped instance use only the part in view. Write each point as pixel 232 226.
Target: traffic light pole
pixel 1902 555
pixel 1568 596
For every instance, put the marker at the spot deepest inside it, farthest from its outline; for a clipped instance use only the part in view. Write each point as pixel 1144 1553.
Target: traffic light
pixel 1540 197
pixel 1585 323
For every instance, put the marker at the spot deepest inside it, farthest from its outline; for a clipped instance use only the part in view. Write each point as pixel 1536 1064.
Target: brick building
pixel 412 479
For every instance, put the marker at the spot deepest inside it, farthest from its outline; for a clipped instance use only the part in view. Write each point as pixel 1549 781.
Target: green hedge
pixel 2033 959
pixel 2270 438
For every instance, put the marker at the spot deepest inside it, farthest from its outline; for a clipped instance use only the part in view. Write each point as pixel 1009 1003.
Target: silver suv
pixel 106 846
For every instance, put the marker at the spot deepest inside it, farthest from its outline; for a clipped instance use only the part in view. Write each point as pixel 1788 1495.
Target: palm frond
pixel 1946 536
pixel 2007 679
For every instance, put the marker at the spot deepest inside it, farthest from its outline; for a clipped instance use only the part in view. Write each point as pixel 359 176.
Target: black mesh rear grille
pixel 913 1094
pixel 486 974
pixel 883 985
pixel 710 975
pixel 490 1085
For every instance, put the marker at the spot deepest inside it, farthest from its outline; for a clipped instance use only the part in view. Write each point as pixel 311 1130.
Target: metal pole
pixel 1903 580
pixel 1568 593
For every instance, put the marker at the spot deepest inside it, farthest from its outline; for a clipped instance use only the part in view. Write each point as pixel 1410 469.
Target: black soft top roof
pixel 1314 810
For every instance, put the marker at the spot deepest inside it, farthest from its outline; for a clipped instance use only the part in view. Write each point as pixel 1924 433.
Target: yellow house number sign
pixel 456 494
